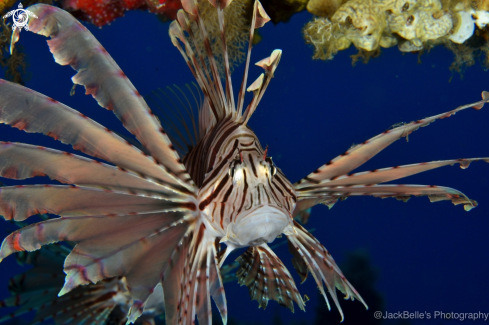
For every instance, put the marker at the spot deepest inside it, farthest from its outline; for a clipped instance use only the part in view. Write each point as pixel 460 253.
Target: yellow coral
pixel 371 24
pixel 319 33
pixel 362 22
pixel 420 26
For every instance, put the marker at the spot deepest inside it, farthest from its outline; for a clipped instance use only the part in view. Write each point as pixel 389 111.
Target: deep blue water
pixel 431 256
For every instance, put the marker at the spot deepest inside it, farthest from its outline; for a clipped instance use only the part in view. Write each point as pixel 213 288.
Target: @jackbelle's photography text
pixel 435 315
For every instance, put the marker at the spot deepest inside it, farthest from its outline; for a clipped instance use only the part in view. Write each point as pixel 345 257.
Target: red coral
pixel 167 8
pixel 102 12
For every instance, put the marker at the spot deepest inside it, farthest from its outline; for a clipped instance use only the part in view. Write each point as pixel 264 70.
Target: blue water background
pixel 431 256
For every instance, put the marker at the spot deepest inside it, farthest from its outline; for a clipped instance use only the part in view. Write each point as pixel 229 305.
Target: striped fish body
pixel 244 199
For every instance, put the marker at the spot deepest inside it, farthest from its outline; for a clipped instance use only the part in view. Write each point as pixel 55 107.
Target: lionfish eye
pixel 232 166
pixel 273 169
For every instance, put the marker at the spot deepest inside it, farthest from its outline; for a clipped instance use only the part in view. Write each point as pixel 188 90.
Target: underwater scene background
pixel 416 256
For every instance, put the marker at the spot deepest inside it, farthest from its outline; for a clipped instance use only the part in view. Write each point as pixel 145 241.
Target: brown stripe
pixel 252 165
pixel 217 170
pixel 286 188
pixel 214 193
pixel 222 138
pixel 244 192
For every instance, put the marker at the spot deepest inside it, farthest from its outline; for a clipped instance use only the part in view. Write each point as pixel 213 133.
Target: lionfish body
pixel 243 198
pixel 154 218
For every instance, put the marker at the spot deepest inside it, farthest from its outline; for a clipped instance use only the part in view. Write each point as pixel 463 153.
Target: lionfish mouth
pixel 262 225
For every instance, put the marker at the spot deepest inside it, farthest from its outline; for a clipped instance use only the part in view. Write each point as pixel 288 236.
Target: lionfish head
pixel 251 201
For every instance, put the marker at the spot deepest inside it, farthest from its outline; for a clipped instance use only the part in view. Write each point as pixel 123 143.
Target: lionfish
pixel 160 219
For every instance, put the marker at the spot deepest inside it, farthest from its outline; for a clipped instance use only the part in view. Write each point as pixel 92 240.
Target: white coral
pixel 466 21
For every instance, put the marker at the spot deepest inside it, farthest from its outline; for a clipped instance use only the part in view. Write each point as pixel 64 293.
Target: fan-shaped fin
pixel 321 265
pixel 267 278
pixel 21 161
pixel 30 111
pixel 387 174
pixel 137 247
pixel 401 192
pixel 71 43
pixel 328 191
pixel 191 279
pixel 179 114
pixel 80 305
pixel 149 268
pixel 359 154
pixel 20 202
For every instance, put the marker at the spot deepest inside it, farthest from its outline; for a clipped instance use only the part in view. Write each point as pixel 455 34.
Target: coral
pixel 412 25
pixel 99 12
pixel 102 12
pixel 364 56
pixel 319 33
pixel 362 22
pixel 372 24
pixel 466 18
pixel 237 31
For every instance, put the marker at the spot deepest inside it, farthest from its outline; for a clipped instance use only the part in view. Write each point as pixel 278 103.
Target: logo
pixel 20 17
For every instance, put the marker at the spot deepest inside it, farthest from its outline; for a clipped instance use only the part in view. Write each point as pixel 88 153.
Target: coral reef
pixel 237 33
pixel 101 12
pixel 412 25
